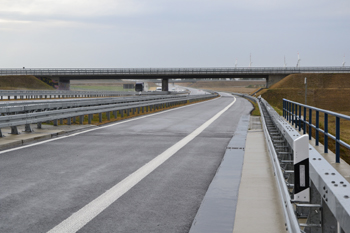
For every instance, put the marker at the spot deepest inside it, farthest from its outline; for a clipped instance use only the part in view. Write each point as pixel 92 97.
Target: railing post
pixel 289 111
pixel 310 122
pixel 337 137
pixel 317 126
pixel 325 133
pixel 284 108
pixel 304 121
pixel 299 118
pixel 296 116
pixel 293 114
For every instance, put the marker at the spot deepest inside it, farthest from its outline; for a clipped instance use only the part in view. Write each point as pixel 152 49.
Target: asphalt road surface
pixel 147 174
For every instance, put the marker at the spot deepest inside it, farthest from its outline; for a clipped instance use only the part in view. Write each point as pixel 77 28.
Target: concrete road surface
pixel 147 174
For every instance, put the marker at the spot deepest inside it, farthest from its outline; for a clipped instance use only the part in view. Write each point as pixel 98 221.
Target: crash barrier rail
pixel 309 187
pixel 17 94
pixel 54 115
pixel 245 96
pixel 173 71
pixel 300 115
pixel 16 107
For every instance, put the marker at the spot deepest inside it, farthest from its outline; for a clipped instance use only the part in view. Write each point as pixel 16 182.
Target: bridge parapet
pixel 173 71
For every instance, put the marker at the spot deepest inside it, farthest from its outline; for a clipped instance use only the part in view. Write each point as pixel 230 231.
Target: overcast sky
pixel 169 33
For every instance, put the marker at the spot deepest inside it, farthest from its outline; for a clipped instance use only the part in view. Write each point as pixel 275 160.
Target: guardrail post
pixel 325 133
pixel 128 112
pixel 108 114
pixel 133 111
pixel 121 113
pixel 38 125
pixel 27 128
pixel 14 130
pixel 81 119
pixel 89 119
pixel 317 127
pixel 74 119
pixel 69 120
pixel 143 109
pixel 337 136
pixel 138 110
pixel 115 114
pixel 55 122
pixel 61 121
pixel 100 117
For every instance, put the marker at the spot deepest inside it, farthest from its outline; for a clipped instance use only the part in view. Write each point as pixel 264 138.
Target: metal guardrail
pixel 173 71
pixel 124 108
pixel 292 111
pixel 245 96
pixel 16 107
pixel 329 206
pixel 18 94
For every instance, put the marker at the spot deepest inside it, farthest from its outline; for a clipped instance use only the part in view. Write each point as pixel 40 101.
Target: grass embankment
pixel 22 82
pixel 256 110
pixel 238 86
pixel 96 120
pixel 327 91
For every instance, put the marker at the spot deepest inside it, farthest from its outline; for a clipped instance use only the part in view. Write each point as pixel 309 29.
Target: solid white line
pixel 80 218
pixel 102 127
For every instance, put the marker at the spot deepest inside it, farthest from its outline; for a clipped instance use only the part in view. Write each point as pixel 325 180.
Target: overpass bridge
pixel 271 74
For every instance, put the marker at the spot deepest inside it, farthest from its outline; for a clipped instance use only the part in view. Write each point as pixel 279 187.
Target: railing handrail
pixel 291 113
pixel 346 117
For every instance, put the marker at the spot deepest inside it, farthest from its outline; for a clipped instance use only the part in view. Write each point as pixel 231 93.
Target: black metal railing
pixel 300 116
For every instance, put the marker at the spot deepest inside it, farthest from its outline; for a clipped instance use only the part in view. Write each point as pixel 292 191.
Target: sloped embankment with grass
pixel 23 82
pixel 327 91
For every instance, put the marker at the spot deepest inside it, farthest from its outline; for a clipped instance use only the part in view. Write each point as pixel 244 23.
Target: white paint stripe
pixel 102 127
pixel 80 218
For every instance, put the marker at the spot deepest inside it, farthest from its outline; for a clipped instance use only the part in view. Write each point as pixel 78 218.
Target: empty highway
pixel 145 174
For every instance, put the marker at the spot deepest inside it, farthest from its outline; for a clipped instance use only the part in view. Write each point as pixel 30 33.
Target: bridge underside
pixel 64 82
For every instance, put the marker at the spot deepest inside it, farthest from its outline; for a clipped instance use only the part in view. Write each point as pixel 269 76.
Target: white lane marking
pixel 102 127
pixel 80 218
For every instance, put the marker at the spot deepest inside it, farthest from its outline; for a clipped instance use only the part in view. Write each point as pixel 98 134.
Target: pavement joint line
pixel 102 127
pixel 83 216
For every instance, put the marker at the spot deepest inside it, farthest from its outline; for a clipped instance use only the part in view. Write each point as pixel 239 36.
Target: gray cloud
pixel 173 33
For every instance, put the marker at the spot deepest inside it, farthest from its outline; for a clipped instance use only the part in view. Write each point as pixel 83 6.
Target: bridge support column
pixel 274 78
pixel 165 84
pixel 64 84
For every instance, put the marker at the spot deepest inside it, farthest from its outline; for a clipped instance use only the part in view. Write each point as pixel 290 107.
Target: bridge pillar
pixel 165 84
pixel 64 84
pixel 274 78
